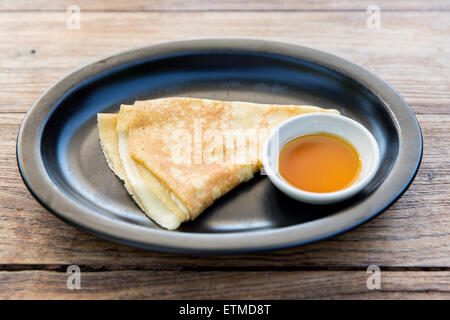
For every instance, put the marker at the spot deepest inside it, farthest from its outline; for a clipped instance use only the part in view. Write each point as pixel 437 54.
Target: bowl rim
pixel 40 185
pixel 316 197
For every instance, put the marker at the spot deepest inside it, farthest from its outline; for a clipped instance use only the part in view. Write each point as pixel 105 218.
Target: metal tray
pixel 62 164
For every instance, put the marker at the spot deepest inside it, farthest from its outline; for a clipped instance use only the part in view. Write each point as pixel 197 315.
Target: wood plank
pixel 410 51
pixel 209 5
pixel 409 241
pixel 225 285
pixel 414 232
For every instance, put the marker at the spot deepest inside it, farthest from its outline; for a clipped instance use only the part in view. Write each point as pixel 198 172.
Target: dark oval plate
pixel 62 164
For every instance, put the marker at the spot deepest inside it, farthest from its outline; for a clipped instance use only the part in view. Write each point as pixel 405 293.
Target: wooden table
pixel 410 241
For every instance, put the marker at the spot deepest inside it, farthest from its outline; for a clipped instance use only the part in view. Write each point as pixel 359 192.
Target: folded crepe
pixel 176 156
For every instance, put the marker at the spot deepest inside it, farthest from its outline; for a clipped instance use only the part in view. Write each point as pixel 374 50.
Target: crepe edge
pixel 125 118
pixel 108 135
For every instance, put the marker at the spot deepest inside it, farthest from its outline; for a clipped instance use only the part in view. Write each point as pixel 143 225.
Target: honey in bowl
pixel 319 162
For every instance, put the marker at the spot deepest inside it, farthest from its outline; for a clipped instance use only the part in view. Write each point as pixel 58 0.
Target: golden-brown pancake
pixel 178 155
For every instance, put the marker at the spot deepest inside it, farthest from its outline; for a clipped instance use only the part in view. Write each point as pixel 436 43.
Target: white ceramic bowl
pixel 341 126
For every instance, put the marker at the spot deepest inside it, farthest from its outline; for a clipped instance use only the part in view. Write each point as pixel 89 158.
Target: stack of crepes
pixel 176 156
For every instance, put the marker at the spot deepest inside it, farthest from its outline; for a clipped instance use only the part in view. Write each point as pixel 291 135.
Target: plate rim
pixel 47 194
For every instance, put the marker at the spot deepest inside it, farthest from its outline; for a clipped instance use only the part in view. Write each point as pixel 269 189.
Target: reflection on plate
pixel 61 160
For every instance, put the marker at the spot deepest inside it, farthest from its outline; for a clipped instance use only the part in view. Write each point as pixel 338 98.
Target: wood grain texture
pixel 414 232
pixel 410 51
pixel 220 5
pixel 225 285
pixel 410 241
